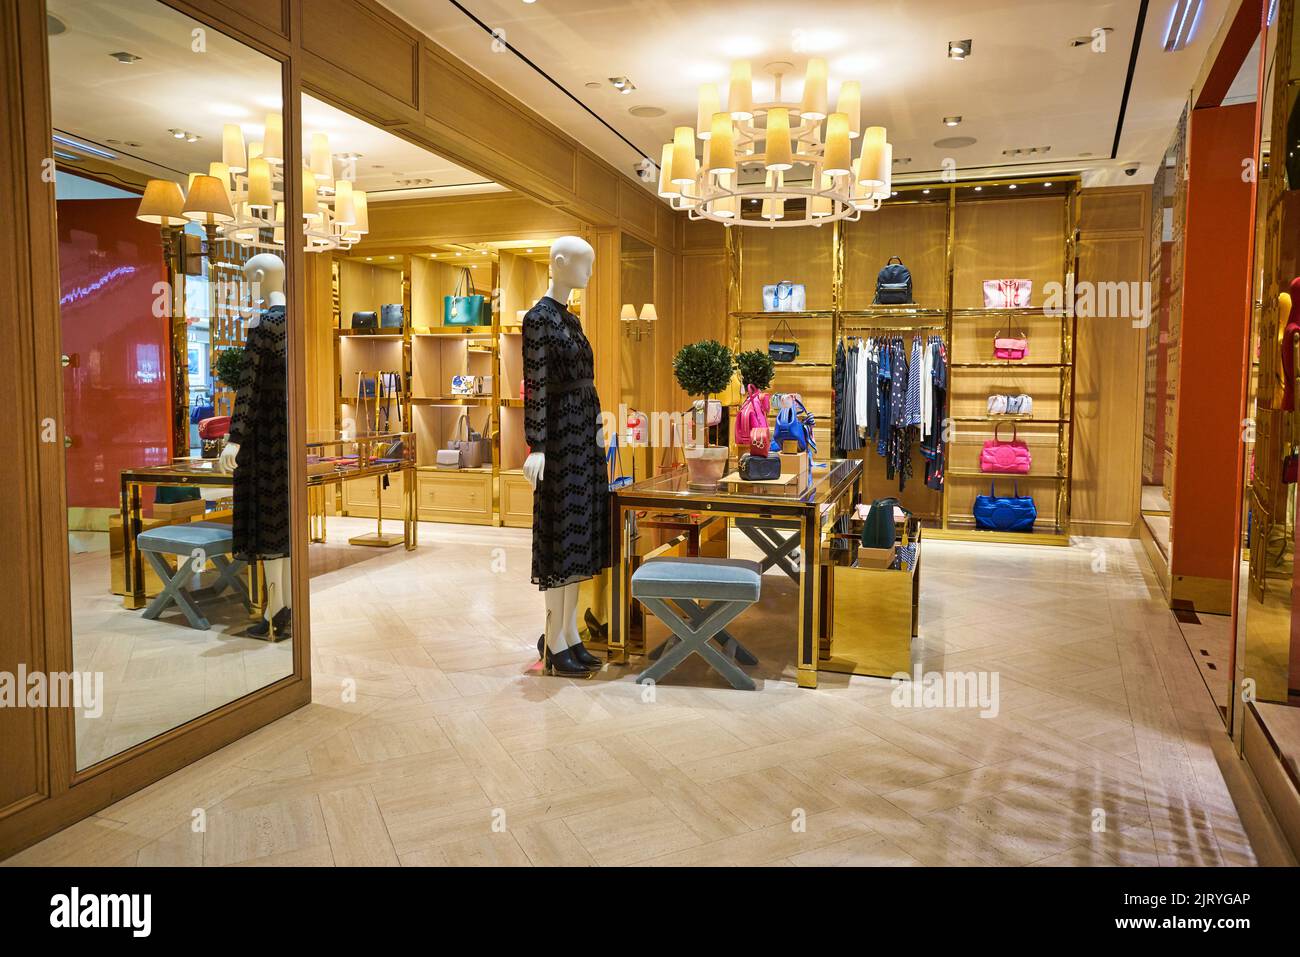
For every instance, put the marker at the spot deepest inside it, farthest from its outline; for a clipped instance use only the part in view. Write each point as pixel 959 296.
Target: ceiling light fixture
pixel 1182 24
pixel 959 49
pixel 952 121
pixel 793 160
pixel 622 84
pixel 83 147
pixel 121 56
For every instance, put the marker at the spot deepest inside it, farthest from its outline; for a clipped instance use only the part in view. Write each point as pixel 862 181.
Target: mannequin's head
pixel 266 273
pixel 571 259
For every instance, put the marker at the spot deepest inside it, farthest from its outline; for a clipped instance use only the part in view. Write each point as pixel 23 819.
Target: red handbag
pixel 214 427
pixel 1003 457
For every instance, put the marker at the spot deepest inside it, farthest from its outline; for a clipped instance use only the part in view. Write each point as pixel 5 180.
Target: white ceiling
pixel 128 109
pixel 1023 86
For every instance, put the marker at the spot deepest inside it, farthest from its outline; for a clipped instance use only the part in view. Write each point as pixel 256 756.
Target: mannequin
pixel 570 492
pixel 257 451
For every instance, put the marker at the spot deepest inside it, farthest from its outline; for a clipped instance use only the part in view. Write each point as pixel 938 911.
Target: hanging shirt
pixel 912 413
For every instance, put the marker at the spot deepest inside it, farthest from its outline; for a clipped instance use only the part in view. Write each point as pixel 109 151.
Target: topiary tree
pixel 756 368
pixel 703 368
pixel 229 366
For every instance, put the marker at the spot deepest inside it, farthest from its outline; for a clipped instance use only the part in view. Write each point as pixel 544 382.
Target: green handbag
pixel 460 309
pixel 878 529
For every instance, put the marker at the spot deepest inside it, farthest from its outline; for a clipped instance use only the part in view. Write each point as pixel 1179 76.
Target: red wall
pixel 117 395
pixel 1216 318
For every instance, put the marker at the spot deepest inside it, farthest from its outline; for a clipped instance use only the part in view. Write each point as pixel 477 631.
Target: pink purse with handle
pixel 1005 458
pixel 751 420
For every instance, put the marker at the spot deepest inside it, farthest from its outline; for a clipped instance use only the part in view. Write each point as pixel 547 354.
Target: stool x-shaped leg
pixel 693 637
pixel 776 548
pixel 695 614
pixel 174 586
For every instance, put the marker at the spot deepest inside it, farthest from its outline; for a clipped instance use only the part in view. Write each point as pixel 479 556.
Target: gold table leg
pixel 133 577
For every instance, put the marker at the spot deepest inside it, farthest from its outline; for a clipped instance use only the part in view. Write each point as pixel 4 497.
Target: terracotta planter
pixel 706 465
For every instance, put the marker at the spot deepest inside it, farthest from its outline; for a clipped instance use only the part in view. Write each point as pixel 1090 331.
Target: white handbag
pixel 1007 293
pixel 448 459
pixel 785 296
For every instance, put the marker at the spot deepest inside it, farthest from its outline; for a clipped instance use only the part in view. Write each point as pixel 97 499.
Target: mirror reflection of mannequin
pixel 567 466
pixel 257 451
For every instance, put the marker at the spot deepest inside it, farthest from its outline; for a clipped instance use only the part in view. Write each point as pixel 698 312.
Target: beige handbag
pixel 473 448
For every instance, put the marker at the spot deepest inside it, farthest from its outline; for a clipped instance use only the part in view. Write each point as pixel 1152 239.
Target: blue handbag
pixel 790 428
pixel 460 309
pixel 1003 513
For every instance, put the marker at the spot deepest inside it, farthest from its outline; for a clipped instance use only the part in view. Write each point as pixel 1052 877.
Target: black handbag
pixel 783 350
pixel 756 468
pixel 894 284
pixel 391 315
pixel 878 529
pixel 365 321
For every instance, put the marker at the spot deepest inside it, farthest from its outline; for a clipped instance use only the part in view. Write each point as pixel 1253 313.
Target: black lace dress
pixel 260 424
pixel 561 419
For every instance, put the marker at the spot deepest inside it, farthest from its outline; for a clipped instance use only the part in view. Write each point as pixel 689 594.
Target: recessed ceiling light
pixel 622 84
pixel 979 189
pixel 392 257
pixel 647 111
pixel 1045 185
pixel 460 254
pixel 952 121
pixel 926 192
pixel 121 56
pixel 592 85
pixel 959 49
pixel 527 250
pixel 369 258
pixel 1012 186
pixel 955 142
pixel 54 26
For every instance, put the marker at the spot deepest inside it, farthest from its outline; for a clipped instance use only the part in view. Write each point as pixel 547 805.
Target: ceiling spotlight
pixel 959 49
pixel 925 192
pixel 178 134
pixel 121 56
pixel 1182 24
pixel 1012 186
pixel 622 84
pixel 952 121
pixel 979 189
pixel 1045 185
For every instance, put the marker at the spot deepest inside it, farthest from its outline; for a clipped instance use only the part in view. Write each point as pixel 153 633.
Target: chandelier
pixel 777 164
pixel 241 197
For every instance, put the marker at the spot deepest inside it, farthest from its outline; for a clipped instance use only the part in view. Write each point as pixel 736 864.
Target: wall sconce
pixel 638 326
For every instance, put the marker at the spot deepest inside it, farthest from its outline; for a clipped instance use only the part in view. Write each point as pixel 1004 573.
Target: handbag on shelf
pixel 448 459
pixel 1013 348
pixel 1007 293
pixel 1021 404
pixel 472 448
pixel 893 284
pixel 785 296
pixel 463 308
pixel 614 464
pixel 759 468
pixel 790 428
pixel 201 412
pixel 463 384
pixel 392 316
pixel 878 526
pixel 752 415
pixel 1005 457
pixel 1002 513
pixel 783 350
pixel 365 321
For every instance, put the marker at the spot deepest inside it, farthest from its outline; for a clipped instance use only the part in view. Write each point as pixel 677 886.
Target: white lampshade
pixel 322 164
pixel 220 171
pixel 667 188
pixel 727 207
pixel 361 206
pixel 821 205
pixel 777 152
pixel 849 103
pixel 684 162
pixel 254 149
pixel 277 234
pixel 208 202
pixel 740 95
pixel 273 138
pixel 886 188
pixel 871 171
pixel 648 312
pixel 628 312
pixel 233 153
pixel 708 105
pixel 774 209
pixel 162 203
pixel 814 90
pixel 838 158
pixel 309 204
pixel 259 184
pixel 345 210
pixel 722 145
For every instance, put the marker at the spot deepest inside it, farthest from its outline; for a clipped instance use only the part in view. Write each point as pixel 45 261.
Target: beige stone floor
pixel 456 751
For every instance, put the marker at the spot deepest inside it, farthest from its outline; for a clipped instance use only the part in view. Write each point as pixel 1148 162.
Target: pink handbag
pixel 1007 293
pixel 1006 348
pixel 752 416
pixel 1005 458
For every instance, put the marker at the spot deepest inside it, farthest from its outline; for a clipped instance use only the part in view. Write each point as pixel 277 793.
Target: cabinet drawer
pixel 456 497
pixel 516 501
pixel 360 497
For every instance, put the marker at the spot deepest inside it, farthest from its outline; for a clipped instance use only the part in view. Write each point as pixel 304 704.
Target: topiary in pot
pixel 703 369
pixel 229 366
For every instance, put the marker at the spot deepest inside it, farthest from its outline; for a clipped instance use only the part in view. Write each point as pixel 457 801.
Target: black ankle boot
pixel 564 665
pixel 276 627
pixel 585 657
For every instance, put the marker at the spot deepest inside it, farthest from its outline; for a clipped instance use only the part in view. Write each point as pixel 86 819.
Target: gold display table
pixel 807 511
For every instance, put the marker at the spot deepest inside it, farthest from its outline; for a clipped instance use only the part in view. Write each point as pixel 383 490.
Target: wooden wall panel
pixel 597 184
pixel 477 218
pixel 637 209
pixel 318 313
pixel 1109 368
pixel 366 42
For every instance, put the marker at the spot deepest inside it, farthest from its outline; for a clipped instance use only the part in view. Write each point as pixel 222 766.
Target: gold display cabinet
pixel 871 612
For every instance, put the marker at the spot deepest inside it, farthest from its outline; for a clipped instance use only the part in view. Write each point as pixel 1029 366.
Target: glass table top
pixel 825 480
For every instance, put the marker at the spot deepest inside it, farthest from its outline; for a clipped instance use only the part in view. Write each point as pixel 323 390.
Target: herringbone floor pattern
pixel 455 751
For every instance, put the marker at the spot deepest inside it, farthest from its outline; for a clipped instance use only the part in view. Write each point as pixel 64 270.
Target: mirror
pixel 639 321
pixel 169 146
